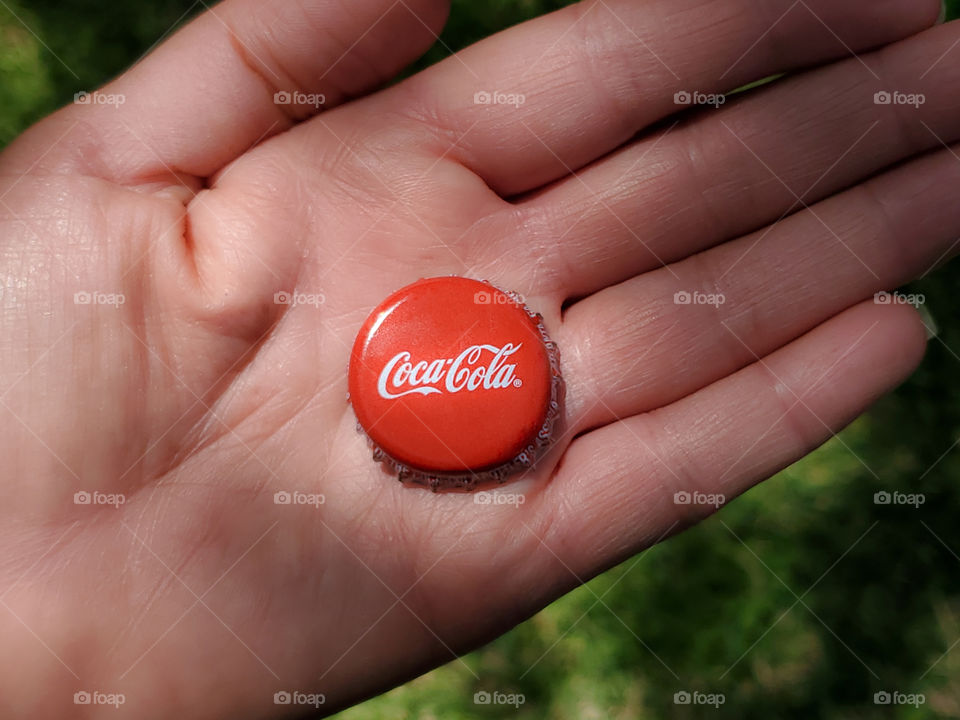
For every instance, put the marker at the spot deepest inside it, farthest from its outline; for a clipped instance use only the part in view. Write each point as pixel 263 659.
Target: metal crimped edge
pixel 524 460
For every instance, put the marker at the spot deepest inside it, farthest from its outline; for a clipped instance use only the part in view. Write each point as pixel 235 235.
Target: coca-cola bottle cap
pixel 455 383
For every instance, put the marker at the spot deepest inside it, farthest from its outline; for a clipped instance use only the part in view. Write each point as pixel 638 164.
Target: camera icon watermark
pixel 85 497
pixel 295 497
pixel 484 97
pixel 898 498
pixel 686 497
pixel 99 298
pixel 490 297
pixel 314 100
pixel 95 697
pixel 895 97
pixel 499 498
pixel 685 297
pixel 899 698
pixel 694 97
pixel 695 697
pixel 98 98
pixel 484 697
pixel 296 697
pixel 899 298
pixel 297 299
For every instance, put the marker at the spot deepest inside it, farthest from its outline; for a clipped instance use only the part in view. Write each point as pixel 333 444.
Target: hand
pixel 147 366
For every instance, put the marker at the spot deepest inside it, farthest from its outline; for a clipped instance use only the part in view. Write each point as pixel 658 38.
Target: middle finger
pixel 733 170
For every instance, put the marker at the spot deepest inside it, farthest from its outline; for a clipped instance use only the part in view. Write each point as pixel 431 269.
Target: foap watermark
pixel 898 698
pixel 483 697
pixel 295 299
pixel 99 298
pixel 695 97
pixel 898 498
pixel 499 498
pixel 295 497
pixel 695 697
pixel 85 497
pixel 489 297
pixel 95 697
pixel 685 497
pixel 98 98
pixel 314 100
pixel 484 97
pixel 895 97
pixel 899 298
pixel 683 297
pixel 296 697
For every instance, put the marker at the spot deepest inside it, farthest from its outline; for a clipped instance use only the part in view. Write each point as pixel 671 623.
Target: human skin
pixel 200 397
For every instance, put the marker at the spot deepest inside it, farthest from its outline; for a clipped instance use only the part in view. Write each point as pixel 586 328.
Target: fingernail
pixel 928 322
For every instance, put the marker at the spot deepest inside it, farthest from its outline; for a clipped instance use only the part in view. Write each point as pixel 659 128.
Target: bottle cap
pixel 455 383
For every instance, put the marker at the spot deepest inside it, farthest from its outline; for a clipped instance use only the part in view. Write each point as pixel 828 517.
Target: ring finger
pixel 658 337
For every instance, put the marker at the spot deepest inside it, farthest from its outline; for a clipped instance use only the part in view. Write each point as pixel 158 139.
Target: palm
pixel 264 412
pixel 200 397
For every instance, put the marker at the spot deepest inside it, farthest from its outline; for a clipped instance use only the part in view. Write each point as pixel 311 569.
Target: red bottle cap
pixel 455 382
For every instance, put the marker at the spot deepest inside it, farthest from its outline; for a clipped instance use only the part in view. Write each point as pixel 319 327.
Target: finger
pixel 590 76
pixel 737 169
pixel 210 92
pixel 619 482
pixel 759 293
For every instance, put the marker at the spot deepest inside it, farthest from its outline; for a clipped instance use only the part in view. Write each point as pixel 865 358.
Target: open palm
pixel 189 253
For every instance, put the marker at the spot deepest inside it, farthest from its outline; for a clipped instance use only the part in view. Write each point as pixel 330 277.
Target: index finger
pixel 242 71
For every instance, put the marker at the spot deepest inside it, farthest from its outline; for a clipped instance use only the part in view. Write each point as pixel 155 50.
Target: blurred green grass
pixel 715 609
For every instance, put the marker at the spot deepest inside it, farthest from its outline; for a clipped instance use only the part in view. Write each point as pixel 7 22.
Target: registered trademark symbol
pixel 518 382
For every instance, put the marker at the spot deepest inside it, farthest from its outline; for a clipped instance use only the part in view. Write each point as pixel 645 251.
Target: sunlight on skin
pixel 157 396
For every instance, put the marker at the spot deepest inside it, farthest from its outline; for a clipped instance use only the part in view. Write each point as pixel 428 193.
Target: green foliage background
pixel 773 602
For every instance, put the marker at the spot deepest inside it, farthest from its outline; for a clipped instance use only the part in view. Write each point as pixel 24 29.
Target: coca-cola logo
pixel 477 367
